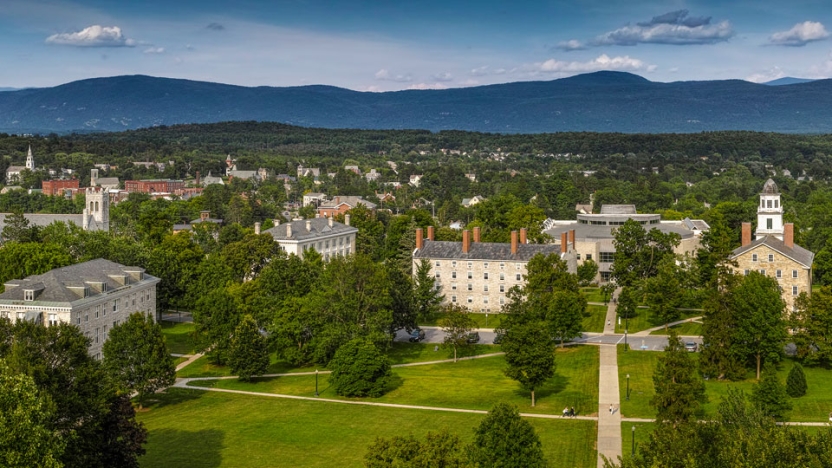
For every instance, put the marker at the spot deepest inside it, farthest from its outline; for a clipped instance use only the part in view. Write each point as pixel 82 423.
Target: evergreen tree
pixel 663 292
pixel 719 358
pixel 769 395
pixel 426 297
pixel 680 390
pixel 248 354
pixel 530 355
pixel 504 439
pixel 812 321
pixel 796 382
pixel 136 358
pixel 359 369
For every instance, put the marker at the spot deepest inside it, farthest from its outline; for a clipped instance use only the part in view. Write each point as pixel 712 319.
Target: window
pixel 746 272
pixel 115 306
pixel 502 277
pixel 794 290
pixel 485 275
pixel 589 256
pixel 516 266
pixel 502 288
pixel 517 277
pixel 502 300
pixel 485 300
pixel 28 295
pixel 453 286
pixel 762 272
pixel 502 265
pixel 606 257
pixel 485 288
pixel 453 264
pixel 21 315
pixel 453 299
pixel 470 287
pixel 134 299
pixel 779 274
pixel 753 257
pixel 578 256
pixel 98 309
pixel 771 257
pixel 97 331
pixel 485 265
pixel 437 274
pixel 86 318
pixel 768 223
pixel 78 318
pixel 437 286
pixel 768 203
pixel 105 332
pixel 470 299
pixel 453 274
pixel 470 275
pixel 776 203
pixel 438 264
pixel 326 244
pixel 794 273
pixel 53 320
pixel 470 265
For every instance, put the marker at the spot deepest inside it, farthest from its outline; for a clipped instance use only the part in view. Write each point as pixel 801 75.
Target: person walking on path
pixel 610 408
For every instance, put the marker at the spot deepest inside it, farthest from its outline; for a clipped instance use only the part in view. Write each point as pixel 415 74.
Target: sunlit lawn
pixel 178 337
pixel 593 294
pixel 683 329
pixel 193 428
pixel 644 321
pixel 595 321
pixel 474 384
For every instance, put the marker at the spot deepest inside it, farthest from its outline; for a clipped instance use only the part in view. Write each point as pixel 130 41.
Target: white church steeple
pixel 30 160
pixel 769 212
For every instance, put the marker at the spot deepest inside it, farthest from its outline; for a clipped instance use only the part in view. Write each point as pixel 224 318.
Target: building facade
pixel 94 296
pixel 153 186
pixel 773 251
pixel 342 204
pixel 324 235
pixel 477 275
pixel 59 186
pixel 95 217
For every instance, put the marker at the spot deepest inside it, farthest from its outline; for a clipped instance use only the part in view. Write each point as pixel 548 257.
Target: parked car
pixel 473 337
pixel 691 347
pixel 416 335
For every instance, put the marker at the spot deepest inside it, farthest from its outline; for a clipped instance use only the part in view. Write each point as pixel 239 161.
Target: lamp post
pixel 316 382
pixel 628 387
pixel 634 442
pixel 626 328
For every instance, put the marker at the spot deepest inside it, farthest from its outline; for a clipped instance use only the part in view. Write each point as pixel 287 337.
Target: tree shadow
pixel 393 383
pixel 170 396
pixel 172 447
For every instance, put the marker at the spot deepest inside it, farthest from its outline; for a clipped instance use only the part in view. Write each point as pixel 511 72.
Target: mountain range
pixel 600 102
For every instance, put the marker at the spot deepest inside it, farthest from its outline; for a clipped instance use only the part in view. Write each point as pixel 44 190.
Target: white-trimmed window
pixel 453 264
pixel 502 300
pixel 779 273
pixel 470 299
pixel 771 257
pixel 794 290
pixel 97 332
pixel 470 275
pixel 453 274
pixel 517 277
pixel 794 273
pixel 470 287
pixel 28 295
pixel 470 265
pixel 502 288
pixel 53 320
pixel 485 288
pixel 437 274
pixel 485 275
pixel 453 286
pixel 577 256
pixel 762 272
pixel 753 257
pixel 502 265
pixel 485 300
pixel 485 265
pixel 438 264
pixel 453 299
pixel 502 276
pixel 746 272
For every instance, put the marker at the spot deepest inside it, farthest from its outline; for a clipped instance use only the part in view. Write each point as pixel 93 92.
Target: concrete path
pixel 609 422
pixel 190 360
pixel 661 327
pixel 609 326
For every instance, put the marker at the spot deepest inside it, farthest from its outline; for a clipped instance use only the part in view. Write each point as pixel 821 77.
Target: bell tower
pixel 30 160
pixel 98 207
pixel 769 212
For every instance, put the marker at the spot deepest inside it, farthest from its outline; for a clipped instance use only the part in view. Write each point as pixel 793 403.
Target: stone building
pixel 325 235
pixel 95 217
pixel 477 275
pixel 594 233
pixel 773 251
pixel 95 296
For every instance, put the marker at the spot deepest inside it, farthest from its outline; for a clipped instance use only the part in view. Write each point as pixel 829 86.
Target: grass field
pixel 474 384
pixel 178 337
pixel 686 329
pixel 813 407
pixel 595 321
pixel 491 321
pixel 593 294
pixel 643 320
pixel 191 428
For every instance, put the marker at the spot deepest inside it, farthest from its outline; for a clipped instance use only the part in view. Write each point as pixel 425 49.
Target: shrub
pixel 359 369
pixel 796 382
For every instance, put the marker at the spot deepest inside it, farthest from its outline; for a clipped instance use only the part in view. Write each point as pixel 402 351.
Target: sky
pixel 383 45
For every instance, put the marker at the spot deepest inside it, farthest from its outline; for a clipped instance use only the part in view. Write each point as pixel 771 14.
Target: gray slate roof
pixel 318 227
pixel 107 181
pixel 483 251
pixel 45 219
pixel 350 200
pixel 592 231
pixel 796 253
pixel 55 284
pixel 770 188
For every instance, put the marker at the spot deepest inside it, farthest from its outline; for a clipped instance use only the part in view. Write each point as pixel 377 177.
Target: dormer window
pixel 28 295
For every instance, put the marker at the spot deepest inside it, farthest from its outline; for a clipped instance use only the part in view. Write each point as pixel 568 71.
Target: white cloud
pixel 442 77
pixel 765 76
pixel 602 62
pixel 427 86
pixel 486 71
pixel 800 34
pixel 675 28
pixel 93 36
pixel 572 44
pixel 385 75
pixel 154 50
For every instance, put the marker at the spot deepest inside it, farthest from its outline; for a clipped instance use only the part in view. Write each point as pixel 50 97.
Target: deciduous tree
pixel 359 369
pixel 456 324
pixel 530 355
pixel 504 439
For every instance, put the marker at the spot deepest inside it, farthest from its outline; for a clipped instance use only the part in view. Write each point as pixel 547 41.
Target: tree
pixel 26 436
pixel 216 315
pixel 427 297
pixel 456 324
pixel 607 291
pixel 441 449
pixel 565 316
pixel 136 357
pixel 503 439
pixel 359 369
pixel 587 271
pixel 812 322
pixel 638 252
pixel 530 355
pixel 248 354
pixel 627 302
pixel 16 228
pixel 761 329
pixel 679 389
pixel 663 292
pixel 719 357
pixel 796 381
pixel 769 395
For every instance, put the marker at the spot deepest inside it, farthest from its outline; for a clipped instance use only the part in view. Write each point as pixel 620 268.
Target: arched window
pixel 96 207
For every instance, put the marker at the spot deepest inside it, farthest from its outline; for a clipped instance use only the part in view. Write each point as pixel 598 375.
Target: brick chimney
pixel 430 233
pixel 523 234
pixel 477 234
pixel 572 238
pixel 514 242
pixel 197 178
pixel 257 228
pixel 466 241
pixel 419 241
pixel 746 234
pixel 564 244
pixel 788 235
pixel 203 215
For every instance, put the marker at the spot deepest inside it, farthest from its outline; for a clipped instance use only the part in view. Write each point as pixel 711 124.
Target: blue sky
pixel 376 45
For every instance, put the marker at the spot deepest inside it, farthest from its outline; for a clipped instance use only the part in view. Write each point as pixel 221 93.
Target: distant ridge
pixel 788 80
pixel 601 102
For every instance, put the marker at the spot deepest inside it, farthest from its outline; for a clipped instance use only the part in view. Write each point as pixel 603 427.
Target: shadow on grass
pixel 184 448
pixel 553 386
pixel 171 396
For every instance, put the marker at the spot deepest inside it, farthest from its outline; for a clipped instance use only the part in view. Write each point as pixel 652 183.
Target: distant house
pixel 153 186
pixel 313 198
pixel 471 176
pixel 204 217
pixel 13 172
pixel 372 175
pixel 342 204
pixel 469 202
pixel 211 180
pixel 309 172
pixel 108 183
pixel 415 180
pixel 353 169
pixel 59 186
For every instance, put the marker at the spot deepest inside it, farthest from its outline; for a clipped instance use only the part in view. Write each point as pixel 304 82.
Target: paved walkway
pixel 609 421
pixel 661 327
pixel 188 362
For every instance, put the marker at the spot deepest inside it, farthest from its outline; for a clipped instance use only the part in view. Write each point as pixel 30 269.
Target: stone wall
pixel 787 268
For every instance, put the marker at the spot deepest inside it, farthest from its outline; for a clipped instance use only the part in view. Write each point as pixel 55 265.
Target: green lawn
pixel 642 436
pixel 813 407
pixel 178 337
pixel 190 428
pixel 643 320
pixel 686 329
pixel 593 294
pixel 474 384
pixel 203 368
pixel 595 321
pixel 491 321
pixel 403 353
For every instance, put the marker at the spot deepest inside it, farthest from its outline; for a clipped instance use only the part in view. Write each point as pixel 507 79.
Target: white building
pixel 94 296
pixel 13 172
pixel 325 235
pixel 96 215
pixel 313 198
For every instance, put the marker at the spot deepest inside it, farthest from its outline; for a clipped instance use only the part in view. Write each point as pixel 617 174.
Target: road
pixel 646 343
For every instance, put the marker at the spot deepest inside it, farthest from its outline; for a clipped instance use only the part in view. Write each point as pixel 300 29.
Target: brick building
pixel 342 204
pixel 153 186
pixel 57 186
